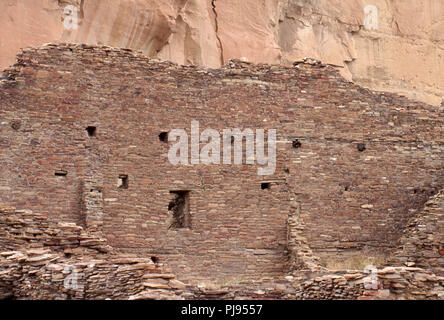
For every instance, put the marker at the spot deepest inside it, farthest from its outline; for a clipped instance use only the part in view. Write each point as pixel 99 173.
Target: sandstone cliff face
pixel 404 53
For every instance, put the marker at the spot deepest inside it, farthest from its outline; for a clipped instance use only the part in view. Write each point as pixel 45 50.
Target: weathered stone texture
pixel 211 32
pixel 348 199
pixel 41 259
pixel 422 242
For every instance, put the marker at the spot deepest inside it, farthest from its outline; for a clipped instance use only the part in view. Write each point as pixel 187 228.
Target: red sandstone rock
pixel 210 32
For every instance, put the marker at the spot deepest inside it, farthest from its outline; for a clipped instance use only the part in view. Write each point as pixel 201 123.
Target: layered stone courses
pixel 37 257
pixel 422 242
pixel 326 198
pixel 43 259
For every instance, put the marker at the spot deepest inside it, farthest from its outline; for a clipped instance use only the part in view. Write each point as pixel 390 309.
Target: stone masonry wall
pixel 348 198
pixel 422 242
pixel 42 259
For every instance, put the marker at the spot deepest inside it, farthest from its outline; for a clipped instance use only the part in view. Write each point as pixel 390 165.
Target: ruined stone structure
pixel 211 32
pixel 41 259
pixel 83 140
pixel 422 242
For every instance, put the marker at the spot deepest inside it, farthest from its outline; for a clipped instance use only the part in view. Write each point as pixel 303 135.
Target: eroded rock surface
pixel 403 54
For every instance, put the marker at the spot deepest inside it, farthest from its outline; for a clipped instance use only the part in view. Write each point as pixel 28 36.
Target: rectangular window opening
pixel 163 136
pixel 265 185
pixel 179 209
pixel 123 181
pixel 92 131
pixel 61 173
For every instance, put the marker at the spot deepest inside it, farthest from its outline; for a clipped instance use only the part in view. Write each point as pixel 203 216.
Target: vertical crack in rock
pixel 213 5
pixel 81 11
